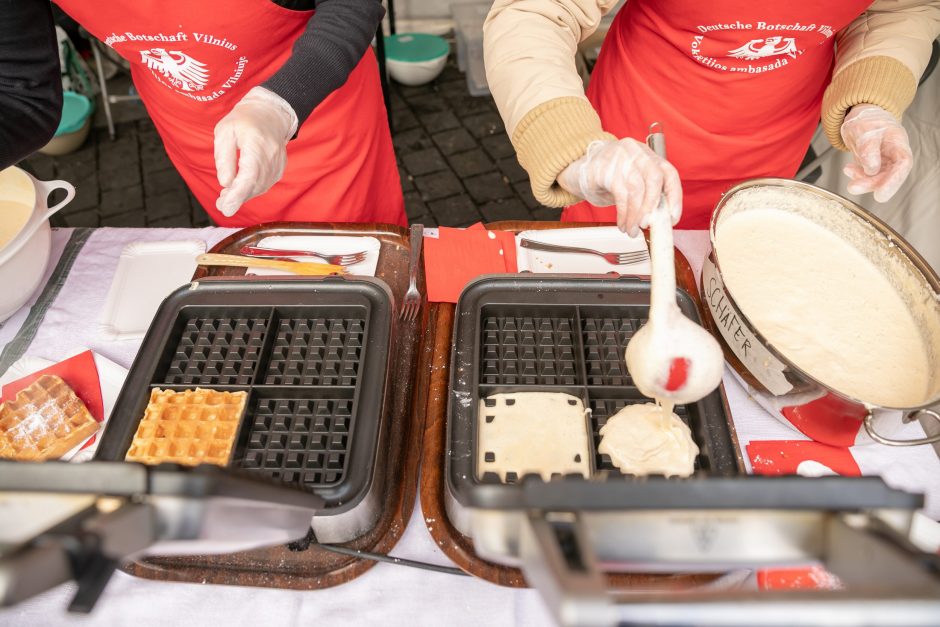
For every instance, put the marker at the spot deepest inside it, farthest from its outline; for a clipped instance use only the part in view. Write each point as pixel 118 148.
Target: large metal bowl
pixel 758 362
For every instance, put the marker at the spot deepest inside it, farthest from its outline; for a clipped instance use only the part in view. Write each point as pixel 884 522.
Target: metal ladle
pixel 670 358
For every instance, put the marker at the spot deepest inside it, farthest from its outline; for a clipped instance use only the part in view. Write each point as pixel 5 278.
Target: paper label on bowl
pixel 748 348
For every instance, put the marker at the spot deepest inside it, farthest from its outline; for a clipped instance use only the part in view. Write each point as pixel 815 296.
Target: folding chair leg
pixel 103 85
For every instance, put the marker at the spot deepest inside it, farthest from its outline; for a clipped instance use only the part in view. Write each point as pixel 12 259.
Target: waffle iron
pixel 555 333
pixel 309 456
pixel 312 356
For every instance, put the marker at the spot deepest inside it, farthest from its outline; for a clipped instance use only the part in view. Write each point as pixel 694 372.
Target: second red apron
pixel 193 61
pixel 738 86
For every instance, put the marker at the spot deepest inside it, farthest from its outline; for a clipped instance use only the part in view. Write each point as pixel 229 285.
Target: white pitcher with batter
pixel 25 235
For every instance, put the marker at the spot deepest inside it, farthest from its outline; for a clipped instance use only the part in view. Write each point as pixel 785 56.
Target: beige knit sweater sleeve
pixel 529 51
pixel 880 58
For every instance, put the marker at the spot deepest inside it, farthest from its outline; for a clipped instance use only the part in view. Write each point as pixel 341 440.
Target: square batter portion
pixel 532 432
pixel 189 427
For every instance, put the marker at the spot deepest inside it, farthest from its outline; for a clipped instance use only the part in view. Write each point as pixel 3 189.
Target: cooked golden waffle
pixel 189 427
pixel 45 421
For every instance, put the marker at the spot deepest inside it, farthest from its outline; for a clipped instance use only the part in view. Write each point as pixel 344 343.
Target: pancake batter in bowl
pixel 825 306
pixel 13 217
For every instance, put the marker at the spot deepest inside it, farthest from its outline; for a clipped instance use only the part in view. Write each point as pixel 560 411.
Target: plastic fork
pixel 615 259
pixel 336 259
pixel 412 303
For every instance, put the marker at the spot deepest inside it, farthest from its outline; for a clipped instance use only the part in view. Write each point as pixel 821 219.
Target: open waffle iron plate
pixel 525 333
pixel 530 334
pixel 312 356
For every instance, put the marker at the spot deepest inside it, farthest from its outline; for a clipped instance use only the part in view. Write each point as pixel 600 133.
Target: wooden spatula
pixel 297 267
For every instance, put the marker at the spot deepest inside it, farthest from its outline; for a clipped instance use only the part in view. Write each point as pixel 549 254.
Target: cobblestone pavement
pixel 456 163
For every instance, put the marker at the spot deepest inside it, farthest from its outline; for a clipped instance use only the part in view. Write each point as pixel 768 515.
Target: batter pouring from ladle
pixel 671 359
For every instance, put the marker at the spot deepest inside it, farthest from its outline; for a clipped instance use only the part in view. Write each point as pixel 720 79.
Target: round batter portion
pixel 649 439
pixel 825 306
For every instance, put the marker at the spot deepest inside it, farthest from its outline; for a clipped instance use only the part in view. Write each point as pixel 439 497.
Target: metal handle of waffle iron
pixel 115 512
pixel 889 582
pixel 87 547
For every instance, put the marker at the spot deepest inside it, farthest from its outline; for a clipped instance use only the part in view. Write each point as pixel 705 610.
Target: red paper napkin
pixel 813 578
pixel 457 256
pixel 80 373
pixel 829 419
pixel 783 457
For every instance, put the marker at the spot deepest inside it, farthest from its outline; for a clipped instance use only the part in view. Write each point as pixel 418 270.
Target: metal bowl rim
pixel 860 212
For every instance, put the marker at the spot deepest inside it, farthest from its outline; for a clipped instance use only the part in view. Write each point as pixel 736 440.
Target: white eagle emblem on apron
pixel 762 48
pixel 183 71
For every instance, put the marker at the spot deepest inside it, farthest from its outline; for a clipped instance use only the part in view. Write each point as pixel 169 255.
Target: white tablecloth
pixel 387 594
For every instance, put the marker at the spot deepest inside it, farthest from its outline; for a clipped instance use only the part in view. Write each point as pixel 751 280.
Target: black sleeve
pixel 326 53
pixel 30 85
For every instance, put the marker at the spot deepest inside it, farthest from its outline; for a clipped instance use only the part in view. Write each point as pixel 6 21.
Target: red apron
pixel 193 61
pixel 737 84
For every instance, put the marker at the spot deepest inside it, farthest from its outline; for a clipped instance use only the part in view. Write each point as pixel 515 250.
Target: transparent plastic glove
pixel 882 151
pixel 251 147
pixel 625 173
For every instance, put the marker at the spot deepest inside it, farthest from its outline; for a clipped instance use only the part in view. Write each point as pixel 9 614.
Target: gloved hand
pixel 254 136
pixel 881 148
pixel 628 174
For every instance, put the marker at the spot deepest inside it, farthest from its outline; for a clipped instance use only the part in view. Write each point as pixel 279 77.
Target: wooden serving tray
pixel 454 544
pixel 314 567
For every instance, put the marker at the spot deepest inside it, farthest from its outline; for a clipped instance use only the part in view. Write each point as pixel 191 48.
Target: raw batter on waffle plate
pixel 647 439
pixel 508 424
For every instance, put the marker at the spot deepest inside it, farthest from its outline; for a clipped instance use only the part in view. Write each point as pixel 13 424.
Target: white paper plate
pixel 147 273
pixel 110 377
pixel 328 245
pixel 608 239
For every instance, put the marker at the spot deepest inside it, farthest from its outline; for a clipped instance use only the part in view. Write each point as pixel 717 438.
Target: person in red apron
pixel 269 110
pixel 738 86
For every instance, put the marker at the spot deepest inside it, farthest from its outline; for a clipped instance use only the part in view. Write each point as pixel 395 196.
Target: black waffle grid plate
pixel 217 351
pixel 312 361
pixel 537 334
